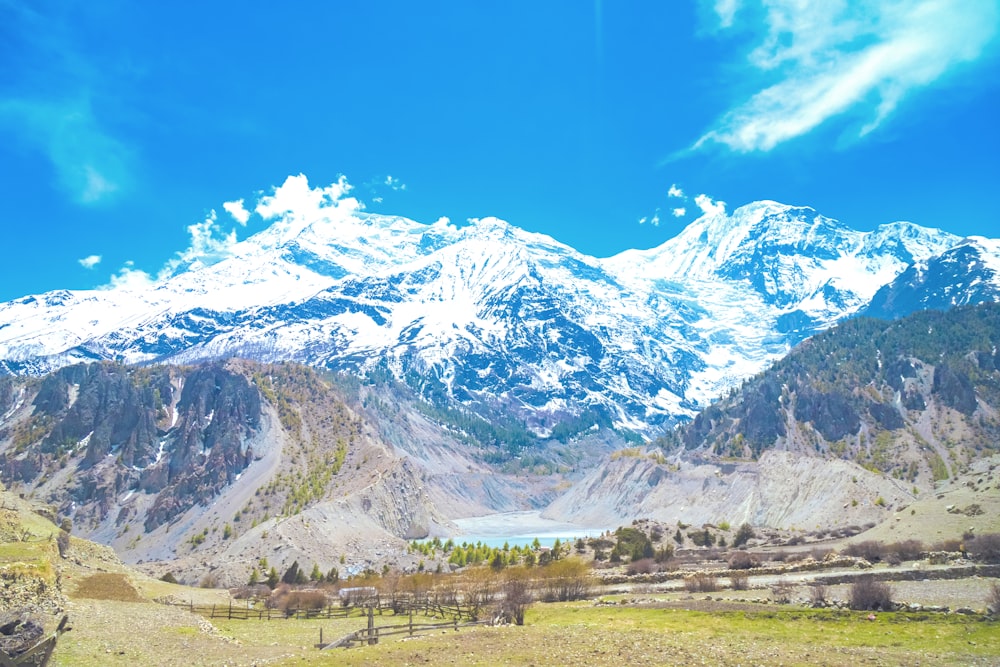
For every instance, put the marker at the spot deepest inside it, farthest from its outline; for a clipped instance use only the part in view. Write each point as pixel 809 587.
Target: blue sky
pixel 123 125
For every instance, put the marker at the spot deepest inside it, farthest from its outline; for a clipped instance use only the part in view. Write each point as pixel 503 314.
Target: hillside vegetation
pixel 915 398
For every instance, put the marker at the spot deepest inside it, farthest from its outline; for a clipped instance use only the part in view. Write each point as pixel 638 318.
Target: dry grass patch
pixel 107 586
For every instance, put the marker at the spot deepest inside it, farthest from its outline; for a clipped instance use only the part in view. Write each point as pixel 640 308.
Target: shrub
pixel 986 548
pixel 869 594
pixel 210 580
pixel 641 566
pixel 950 546
pixel 739 581
pixel 743 560
pixel 907 549
pixel 516 598
pixel 993 599
pixel 817 594
pixel 782 591
pixel 289 601
pixel 820 553
pixel 701 582
pixel 169 578
pixel 565 580
pixel 870 550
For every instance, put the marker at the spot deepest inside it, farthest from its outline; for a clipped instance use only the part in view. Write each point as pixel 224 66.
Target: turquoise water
pixel 519 529
pixel 524 540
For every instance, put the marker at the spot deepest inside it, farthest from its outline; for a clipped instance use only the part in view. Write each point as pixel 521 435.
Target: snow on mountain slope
pixel 487 313
pixel 767 276
pixel 965 274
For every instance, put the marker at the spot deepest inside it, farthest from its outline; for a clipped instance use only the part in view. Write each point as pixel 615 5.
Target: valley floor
pixel 616 632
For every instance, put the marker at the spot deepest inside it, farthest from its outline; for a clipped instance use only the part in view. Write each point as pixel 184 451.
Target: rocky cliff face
pixel 175 464
pixel 870 409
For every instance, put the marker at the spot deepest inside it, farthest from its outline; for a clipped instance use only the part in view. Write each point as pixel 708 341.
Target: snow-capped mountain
pixel 489 314
pixel 966 274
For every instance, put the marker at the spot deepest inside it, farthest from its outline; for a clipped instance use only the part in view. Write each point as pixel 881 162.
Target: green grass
pixel 109 633
pixel 584 634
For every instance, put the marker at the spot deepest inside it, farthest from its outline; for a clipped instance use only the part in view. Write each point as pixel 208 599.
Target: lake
pixel 518 529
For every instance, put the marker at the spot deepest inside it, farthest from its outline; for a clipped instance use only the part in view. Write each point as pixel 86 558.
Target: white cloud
pixel 236 209
pixel 291 206
pixel 395 183
pixel 830 58
pixel 679 212
pixel 129 278
pixel 294 197
pixel 90 261
pixel 654 219
pixel 210 243
pixel 675 191
pixel 726 9
pixel 709 207
pixel 90 165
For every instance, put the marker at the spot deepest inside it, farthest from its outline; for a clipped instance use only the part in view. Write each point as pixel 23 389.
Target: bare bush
pixel 701 582
pixel 290 601
pixel 985 548
pixel 782 591
pixel 210 580
pixel 907 549
pixel 951 545
pixel 642 566
pixel 869 594
pixel 820 553
pixel 250 591
pixel 870 550
pixel 739 581
pixel 564 580
pixel 993 599
pixel 818 594
pixel 517 597
pixel 743 560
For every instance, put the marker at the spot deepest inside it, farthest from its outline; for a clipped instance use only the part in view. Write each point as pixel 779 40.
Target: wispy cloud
pixel 678 212
pixel 820 60
pixel 654 219
pixel 395 183
pixel 48 99
pixel 675 191
pixel 90 261
pixel 210 243
pixel 90 164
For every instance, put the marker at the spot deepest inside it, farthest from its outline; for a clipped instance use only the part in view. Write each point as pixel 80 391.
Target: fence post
pixel 230 610
pixel 371 626
pixel 411 620
pixel 213 611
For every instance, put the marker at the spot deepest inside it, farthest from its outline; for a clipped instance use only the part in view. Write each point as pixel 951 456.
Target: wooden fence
pixel 371 634
pixel 259 612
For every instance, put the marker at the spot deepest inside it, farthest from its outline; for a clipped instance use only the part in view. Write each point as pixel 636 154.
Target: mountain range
pixel 459 371
pixel 498 321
